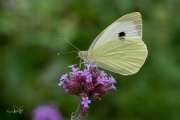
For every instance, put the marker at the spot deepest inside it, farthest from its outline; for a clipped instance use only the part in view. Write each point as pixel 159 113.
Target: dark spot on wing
pixel 122 34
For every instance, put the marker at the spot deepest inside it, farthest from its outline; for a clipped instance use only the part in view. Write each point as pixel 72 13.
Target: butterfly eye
pixel 122 34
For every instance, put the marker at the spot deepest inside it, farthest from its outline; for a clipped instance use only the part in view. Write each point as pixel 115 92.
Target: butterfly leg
pixel 80 64
pixel 97 69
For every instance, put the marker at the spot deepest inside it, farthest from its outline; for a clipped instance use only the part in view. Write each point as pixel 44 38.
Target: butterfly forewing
pixel 123 56
pixel 130 25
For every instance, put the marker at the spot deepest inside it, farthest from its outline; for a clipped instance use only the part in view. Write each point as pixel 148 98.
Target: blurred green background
pixel 30 66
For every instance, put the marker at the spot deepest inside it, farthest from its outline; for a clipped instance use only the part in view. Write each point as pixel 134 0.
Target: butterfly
pixel 119 48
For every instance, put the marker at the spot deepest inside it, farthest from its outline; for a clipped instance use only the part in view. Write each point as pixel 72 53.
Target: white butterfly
pixel 119 48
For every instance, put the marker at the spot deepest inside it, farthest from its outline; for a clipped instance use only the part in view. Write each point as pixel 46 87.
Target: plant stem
pixel 77 115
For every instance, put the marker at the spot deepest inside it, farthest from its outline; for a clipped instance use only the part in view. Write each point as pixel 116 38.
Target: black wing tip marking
pixel 121 35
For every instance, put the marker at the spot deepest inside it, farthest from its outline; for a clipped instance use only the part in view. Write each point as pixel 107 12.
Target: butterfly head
pixel 85 56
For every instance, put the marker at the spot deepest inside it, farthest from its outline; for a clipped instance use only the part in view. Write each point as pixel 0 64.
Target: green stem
pixel 77 115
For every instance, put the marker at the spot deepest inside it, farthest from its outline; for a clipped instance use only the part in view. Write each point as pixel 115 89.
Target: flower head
pixel 87 84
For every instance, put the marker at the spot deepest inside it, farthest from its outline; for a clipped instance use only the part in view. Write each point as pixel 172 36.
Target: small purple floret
pixel 103 74
pixel 112 80
pixel 100 80
pixel 64 77
pixel 113 87
pixel 61 83
pixel 85 72
pixel 85 101
pixel 88 78
pixel 88 66
pixel 72 66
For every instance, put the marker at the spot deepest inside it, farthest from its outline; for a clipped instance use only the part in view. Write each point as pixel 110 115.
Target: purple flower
pixel 88 78
pixel 72 66
pixel 46 112
pixel 75 71
pixel 87 84
pixel 61 83
pixel 103 74
pixel 88 66
pixel 112 80
pixel 85 101
pixel 100 80
pixel 64 77
pixel 85 72
pixel 113 87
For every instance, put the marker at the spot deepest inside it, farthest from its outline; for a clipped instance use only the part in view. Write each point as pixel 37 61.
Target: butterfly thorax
pixel 86 57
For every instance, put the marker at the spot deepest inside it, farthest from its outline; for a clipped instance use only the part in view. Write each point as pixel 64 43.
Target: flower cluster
pixel 87 84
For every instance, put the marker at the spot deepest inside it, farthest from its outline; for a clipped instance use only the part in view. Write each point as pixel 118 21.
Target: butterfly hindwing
pixel 123 56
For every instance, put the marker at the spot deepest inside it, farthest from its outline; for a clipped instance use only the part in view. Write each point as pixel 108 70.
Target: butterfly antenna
pixel 69 42
pixel 66 52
